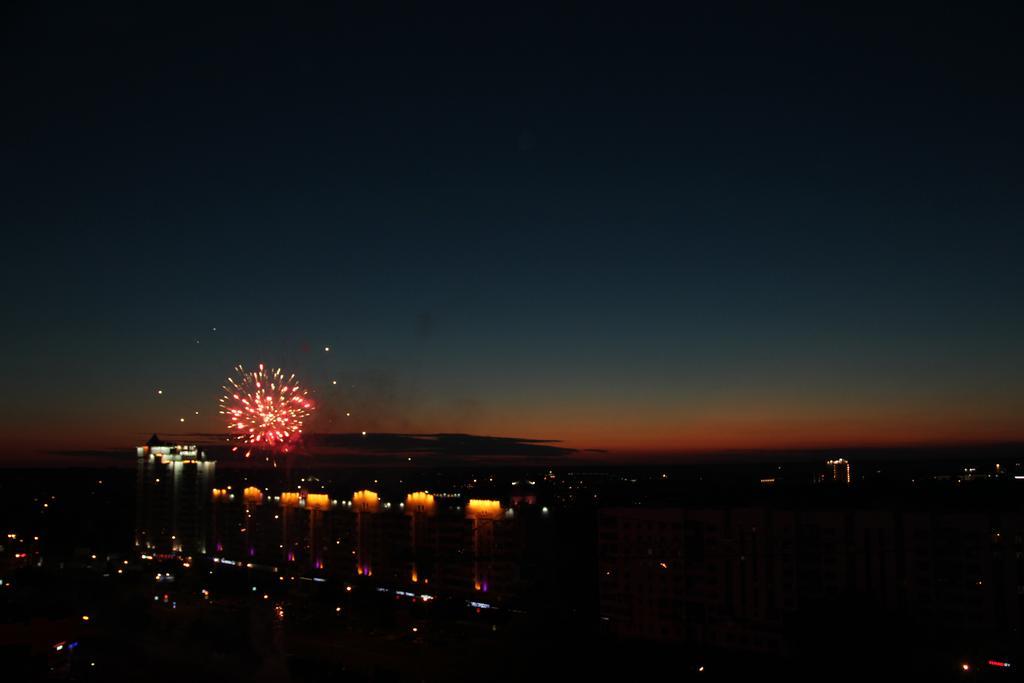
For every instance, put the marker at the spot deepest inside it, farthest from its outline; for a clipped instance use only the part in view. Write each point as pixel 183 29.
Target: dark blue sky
pixel 640 232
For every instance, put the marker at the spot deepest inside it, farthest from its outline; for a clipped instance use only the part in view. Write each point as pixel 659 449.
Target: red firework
pixel 264 409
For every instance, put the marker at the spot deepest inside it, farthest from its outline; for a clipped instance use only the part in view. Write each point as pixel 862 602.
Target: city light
pixel 318 501
pixel 483 509
pixel 365 501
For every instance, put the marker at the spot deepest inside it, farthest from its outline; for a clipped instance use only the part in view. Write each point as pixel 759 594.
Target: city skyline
pixel 358 342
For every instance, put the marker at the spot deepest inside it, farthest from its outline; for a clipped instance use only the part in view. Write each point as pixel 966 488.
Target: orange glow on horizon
pixel 754 421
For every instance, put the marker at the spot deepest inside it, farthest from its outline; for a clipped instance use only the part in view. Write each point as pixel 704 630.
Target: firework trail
pixel 264 410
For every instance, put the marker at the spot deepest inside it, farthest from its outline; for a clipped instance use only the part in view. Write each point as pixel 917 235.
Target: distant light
pixel 159 391
pixel 364 433
pixel 182 419
pixel 327 348
pixel 965 666
pixel 85 617
pixel 334 381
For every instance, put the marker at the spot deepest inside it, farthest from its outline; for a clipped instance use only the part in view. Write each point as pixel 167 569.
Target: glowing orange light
pixel 365 501
pixel 483 509
pixel 420 502
pixel 318 501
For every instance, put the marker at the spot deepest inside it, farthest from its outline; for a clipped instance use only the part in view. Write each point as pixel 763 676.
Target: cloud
pixel 442 445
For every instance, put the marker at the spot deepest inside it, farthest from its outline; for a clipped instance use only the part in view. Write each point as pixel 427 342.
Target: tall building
pixel 837 470
pixel 484 514
pixel 174 486
pixel 753 578
pixel 420 508
pixel 318 507
pixel 365 504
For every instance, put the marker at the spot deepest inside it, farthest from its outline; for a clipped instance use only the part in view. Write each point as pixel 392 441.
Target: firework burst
pixel 264 409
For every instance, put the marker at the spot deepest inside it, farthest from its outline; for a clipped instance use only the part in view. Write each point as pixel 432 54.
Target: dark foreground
pixel 719 577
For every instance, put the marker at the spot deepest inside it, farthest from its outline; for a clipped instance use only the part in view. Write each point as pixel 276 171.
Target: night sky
pixel 642 233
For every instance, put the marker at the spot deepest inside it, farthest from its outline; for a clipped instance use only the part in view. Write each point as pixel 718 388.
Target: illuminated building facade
pixel 227 519
pixel 484 514
pixel 459 551
pixel 837 470
pixel 365 504
pixel 293 546
pixel 420 508
pixel 174 490
pixel 318 507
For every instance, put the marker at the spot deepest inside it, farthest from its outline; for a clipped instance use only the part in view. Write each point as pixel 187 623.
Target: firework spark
pixel 264 409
